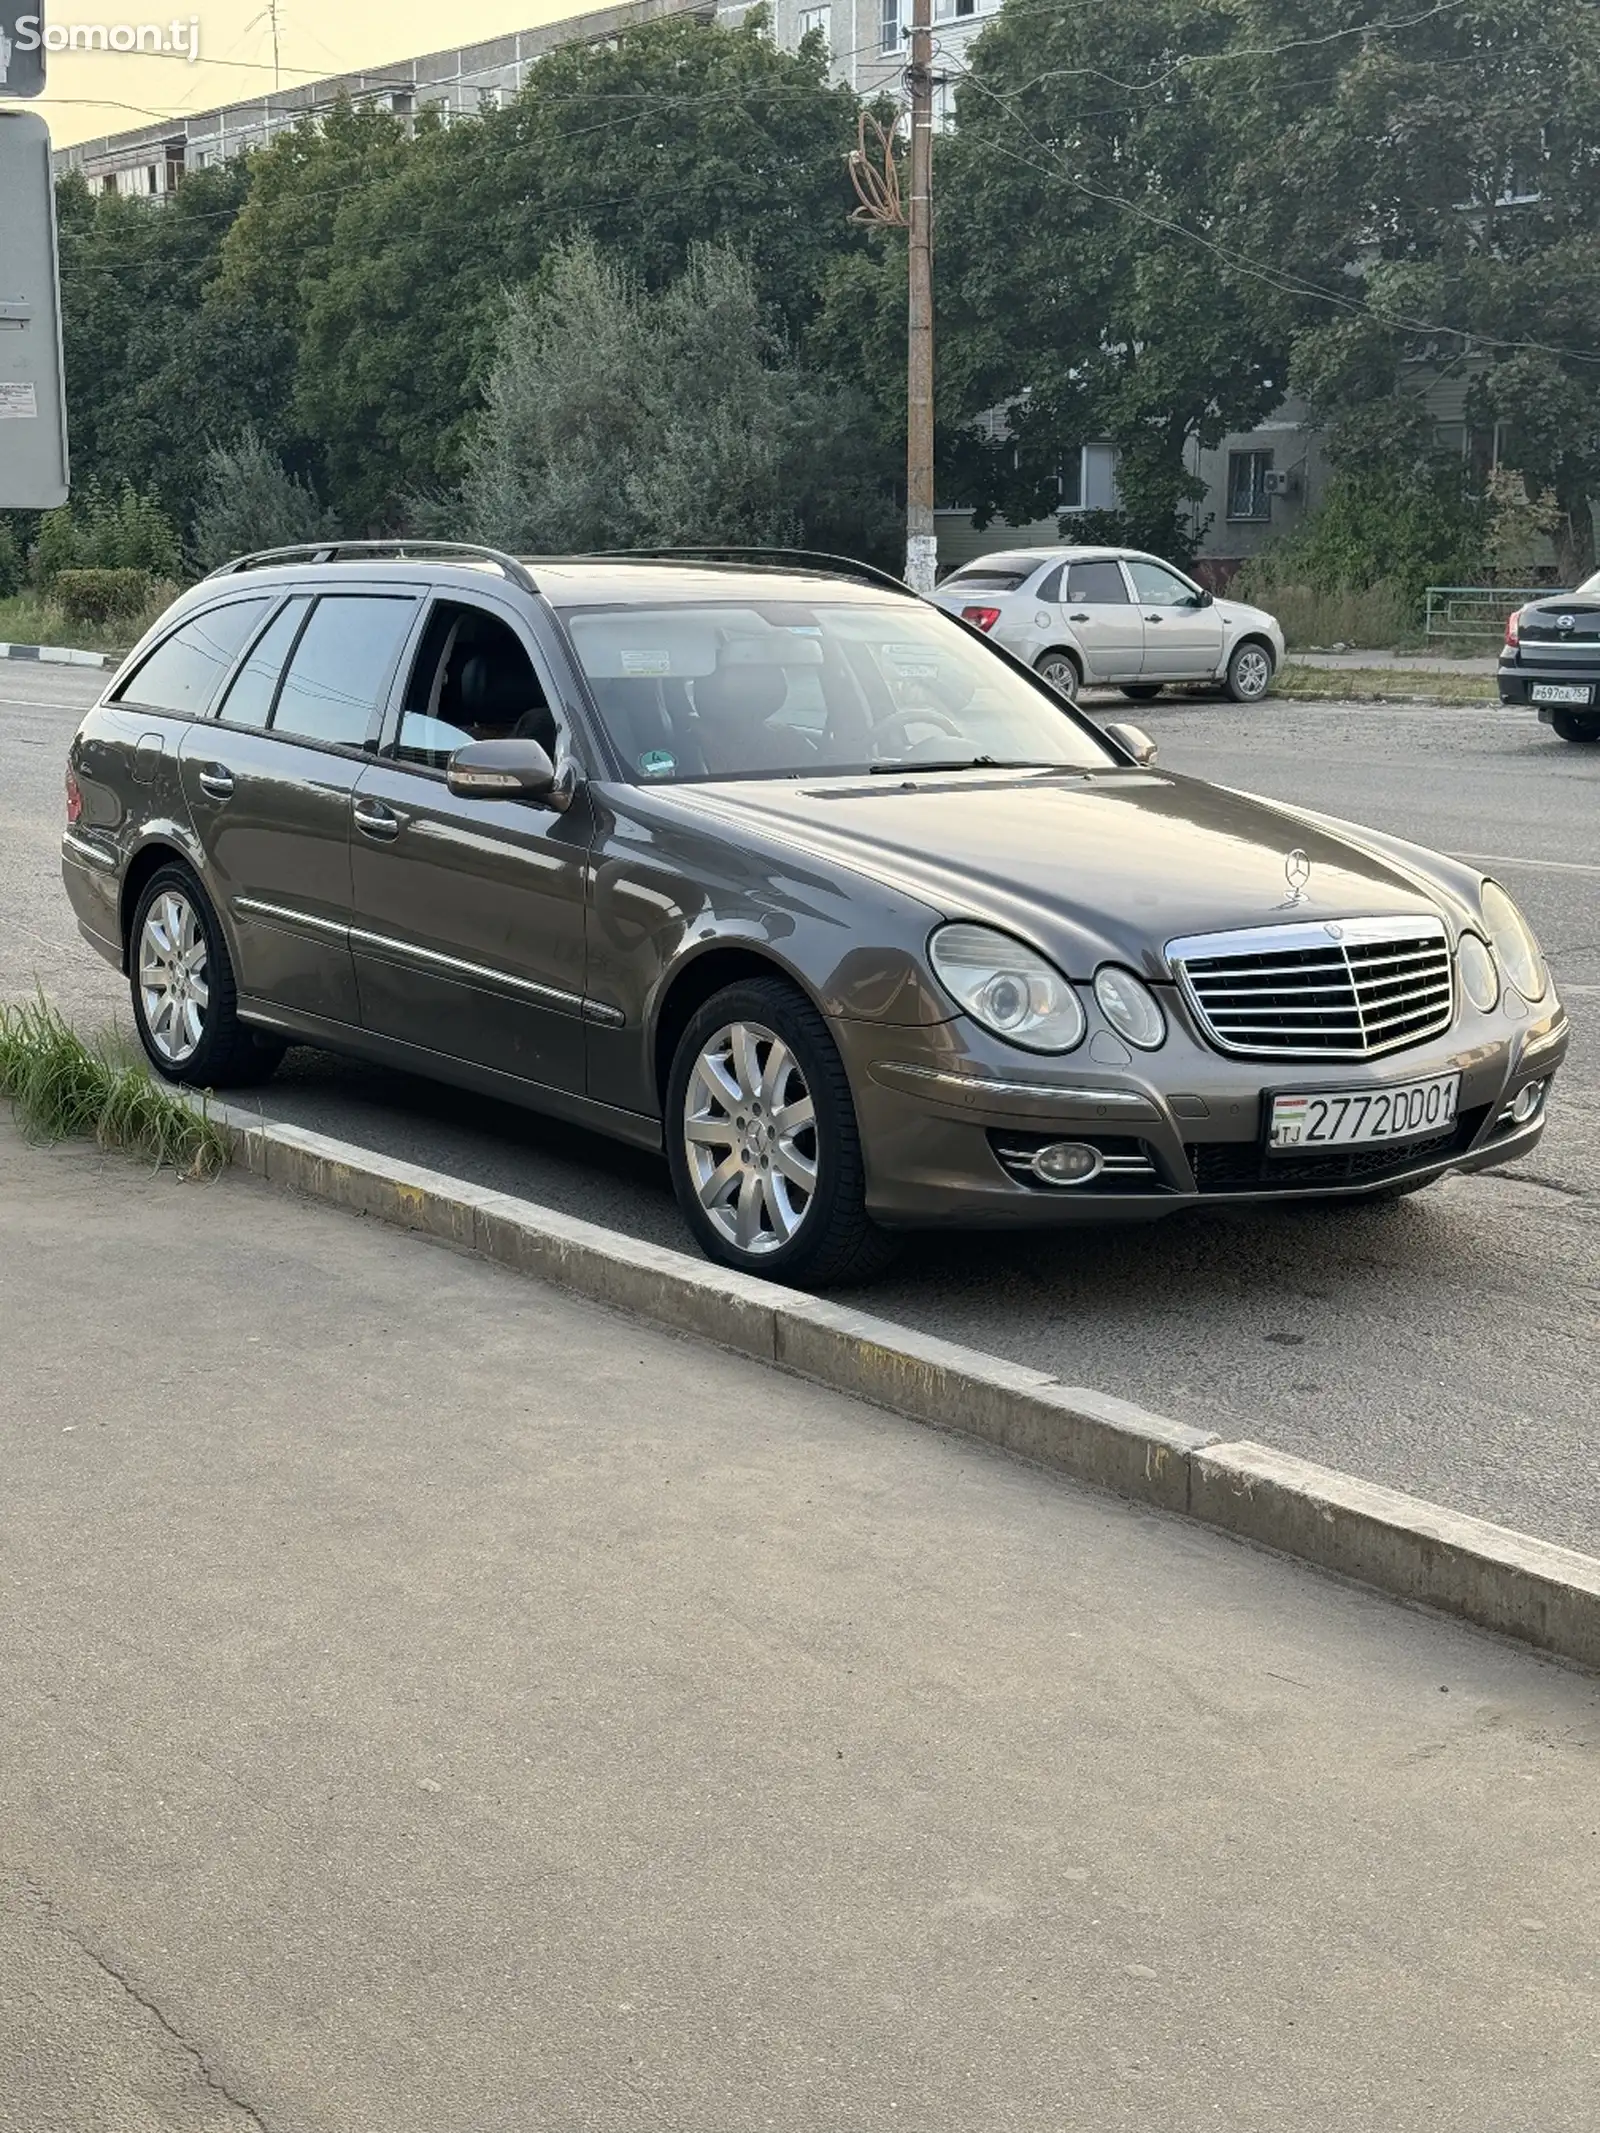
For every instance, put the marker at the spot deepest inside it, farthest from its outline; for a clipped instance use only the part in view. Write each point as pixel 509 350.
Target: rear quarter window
pixel 184 672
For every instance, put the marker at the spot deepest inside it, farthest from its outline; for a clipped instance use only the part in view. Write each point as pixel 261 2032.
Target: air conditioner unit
pixel 1276 483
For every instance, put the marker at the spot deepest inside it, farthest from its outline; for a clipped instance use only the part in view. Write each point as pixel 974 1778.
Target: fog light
pixel 1067 1163
pixel 1527 1103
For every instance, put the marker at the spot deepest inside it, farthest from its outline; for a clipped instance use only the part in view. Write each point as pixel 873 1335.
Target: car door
pixel 468 935
pixel 1182 636
pixel 268 782
pixel 1093 602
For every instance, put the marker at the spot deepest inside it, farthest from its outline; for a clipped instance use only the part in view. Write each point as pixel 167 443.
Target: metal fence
pixel 1477 610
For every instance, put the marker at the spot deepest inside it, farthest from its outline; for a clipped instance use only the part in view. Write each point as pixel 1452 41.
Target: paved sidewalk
pixel 432 1702
pixel 1412 662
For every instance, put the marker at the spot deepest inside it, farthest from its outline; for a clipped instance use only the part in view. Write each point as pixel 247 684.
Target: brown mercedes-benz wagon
pixel 784 871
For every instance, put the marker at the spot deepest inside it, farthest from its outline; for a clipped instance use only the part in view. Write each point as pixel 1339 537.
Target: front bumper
pixel 949 1116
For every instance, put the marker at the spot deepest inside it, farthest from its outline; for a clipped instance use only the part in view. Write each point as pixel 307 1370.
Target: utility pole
pixel 921 543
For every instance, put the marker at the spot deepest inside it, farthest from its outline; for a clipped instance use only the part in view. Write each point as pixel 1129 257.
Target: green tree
pixel 1431 189
pixel 1080 283
pixel 386 256
pixel 152 367
pixel 615 417
pixel 249 502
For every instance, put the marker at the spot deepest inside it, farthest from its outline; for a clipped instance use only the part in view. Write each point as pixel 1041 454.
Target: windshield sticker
pixel 646 662
pixel 656 763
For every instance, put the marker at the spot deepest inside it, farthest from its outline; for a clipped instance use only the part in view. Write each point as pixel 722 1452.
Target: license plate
pixel 1561 692
pixel 1338 1118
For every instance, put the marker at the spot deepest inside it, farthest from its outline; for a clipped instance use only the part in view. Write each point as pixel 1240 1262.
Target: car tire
pixel 185 1001
pixel 1141 692
pixel 1250 670
pixel 1061 670
pixel 786 1203
pixel 1572 727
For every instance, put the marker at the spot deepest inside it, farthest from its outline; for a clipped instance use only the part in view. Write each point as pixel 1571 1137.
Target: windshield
pixel 770 689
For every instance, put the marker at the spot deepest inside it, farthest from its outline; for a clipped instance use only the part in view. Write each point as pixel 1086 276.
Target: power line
pixel 1286 283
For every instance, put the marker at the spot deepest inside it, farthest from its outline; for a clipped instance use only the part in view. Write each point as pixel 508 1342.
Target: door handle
pixel 1152 618
pixel 1077 618
pixel 217 780
pixel 376 821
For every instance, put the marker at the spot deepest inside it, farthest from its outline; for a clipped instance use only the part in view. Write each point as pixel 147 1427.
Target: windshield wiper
pixel 965 762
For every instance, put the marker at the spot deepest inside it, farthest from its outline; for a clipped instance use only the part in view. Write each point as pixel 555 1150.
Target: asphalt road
pixel 1445 1345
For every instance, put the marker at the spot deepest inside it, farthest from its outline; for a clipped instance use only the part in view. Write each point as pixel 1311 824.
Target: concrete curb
pixel 1542 1595
pixel 56 655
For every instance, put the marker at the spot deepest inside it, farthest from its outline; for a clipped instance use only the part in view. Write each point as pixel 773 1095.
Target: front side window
pixel 776 688
pixel 1095 585
pixel 470 681
pixel 182 674
pixel 340 668
pixel 1247 485
pixel 1159 587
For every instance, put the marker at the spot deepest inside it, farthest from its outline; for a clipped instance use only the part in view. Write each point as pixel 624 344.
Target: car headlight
pixel 1010 989
pixel 1514 943
pixel 1130 1007
pixel 1480 981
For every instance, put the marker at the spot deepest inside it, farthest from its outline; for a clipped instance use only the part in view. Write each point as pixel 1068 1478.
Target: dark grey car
pixel 790 874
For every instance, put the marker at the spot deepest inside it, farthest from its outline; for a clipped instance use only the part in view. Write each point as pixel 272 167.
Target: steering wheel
pixel 915 716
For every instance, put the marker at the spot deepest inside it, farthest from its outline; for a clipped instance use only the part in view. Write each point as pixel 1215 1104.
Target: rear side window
pixel 249 701
pixel 182 674
pixel 1095 585
pixel 996 573
pixel 341 668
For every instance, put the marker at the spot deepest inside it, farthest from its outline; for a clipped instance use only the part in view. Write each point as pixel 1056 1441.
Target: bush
pixel 1378 617
pixel 13 564
pixel 102 596
pixel 249 502
pixel 100 532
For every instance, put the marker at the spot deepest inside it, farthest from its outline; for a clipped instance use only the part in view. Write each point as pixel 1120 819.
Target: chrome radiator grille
pixel 1348 990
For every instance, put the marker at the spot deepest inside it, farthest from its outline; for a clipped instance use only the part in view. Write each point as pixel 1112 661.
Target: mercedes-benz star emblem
pixel 1297 869
pixel 1566 622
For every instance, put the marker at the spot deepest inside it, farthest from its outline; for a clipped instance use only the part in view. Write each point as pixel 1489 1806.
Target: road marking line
pixel 1510 859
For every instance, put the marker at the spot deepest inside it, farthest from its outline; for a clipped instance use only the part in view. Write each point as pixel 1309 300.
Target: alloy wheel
pixel 750 1135
pixel 1252 673
pixel 173 987
pixel 1061 674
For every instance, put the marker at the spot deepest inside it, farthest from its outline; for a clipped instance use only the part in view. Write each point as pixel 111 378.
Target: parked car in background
pixel 1551 660
pixel 1114 617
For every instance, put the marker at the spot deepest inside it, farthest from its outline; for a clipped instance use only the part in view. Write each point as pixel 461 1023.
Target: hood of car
pixel 1109 866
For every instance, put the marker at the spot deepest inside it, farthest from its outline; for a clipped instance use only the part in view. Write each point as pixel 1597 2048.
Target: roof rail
pixel 363 551
pixel 774 558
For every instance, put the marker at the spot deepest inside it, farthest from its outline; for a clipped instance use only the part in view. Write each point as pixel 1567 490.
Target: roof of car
pixel 1000 557
pixel 564 580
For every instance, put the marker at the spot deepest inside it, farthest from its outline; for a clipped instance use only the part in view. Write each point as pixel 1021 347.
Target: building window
pixel 819 19
pixel 489 99
pixel 889 26
pixel 1247 485
pixel 966 7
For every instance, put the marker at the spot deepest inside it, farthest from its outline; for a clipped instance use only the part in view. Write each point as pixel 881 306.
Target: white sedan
pixel 1112 616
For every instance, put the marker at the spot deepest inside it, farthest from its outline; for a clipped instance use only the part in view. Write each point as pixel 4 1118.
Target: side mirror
pixel 1135 740
pixel 501 770
pixel 1203 599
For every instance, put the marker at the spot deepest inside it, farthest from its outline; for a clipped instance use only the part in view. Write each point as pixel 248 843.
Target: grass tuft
pixel 61 1088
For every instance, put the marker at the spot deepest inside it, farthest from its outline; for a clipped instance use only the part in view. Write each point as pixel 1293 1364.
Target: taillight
pixel 983 618
pixel 74 798
pixel 1513 625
